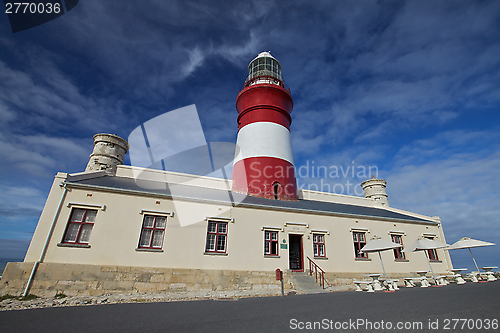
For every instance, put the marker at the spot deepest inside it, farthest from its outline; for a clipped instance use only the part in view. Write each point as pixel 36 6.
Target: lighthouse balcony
pixel 264 79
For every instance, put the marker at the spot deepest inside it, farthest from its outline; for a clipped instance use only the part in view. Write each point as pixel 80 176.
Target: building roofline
pixel 414 220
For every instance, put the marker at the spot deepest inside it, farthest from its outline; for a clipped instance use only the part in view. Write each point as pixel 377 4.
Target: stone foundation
pixel 93 280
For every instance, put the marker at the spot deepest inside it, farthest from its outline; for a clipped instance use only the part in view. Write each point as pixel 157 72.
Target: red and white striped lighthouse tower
pixel 263 165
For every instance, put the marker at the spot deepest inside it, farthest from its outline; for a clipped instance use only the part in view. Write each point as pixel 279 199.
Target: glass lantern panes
pixel 264 67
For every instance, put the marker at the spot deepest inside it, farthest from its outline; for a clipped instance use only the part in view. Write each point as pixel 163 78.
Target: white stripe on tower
pixel 264 139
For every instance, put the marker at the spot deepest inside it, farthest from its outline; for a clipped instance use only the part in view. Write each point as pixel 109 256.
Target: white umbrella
pixel 423 244
pixel 377 244
pixel 467 243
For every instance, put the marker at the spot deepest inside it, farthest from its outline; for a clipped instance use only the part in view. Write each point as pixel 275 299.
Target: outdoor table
pixel 457 275
pixel 409 282
pixel 377 286
pixel 473 276
pixel 369 285
pixel 441 280
pixel 489 273
pixel 392 284
pixel 424 283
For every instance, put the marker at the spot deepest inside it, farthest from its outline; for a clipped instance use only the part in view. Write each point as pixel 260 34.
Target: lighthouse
pixel 263 164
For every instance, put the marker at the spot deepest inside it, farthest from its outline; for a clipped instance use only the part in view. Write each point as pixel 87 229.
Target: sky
pixel 408 91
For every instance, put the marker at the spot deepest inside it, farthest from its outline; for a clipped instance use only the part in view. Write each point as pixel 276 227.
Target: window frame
pixel 216 234
pixel 318 244
pixel 153 229
pixel 357 253
pixel 268 243
pixel 82 223
pixel 398 252
pixel 432 253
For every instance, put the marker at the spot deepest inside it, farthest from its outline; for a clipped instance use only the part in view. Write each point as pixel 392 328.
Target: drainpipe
pixel 47 241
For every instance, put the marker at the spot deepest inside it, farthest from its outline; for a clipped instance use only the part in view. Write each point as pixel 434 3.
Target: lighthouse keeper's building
pixel 120 228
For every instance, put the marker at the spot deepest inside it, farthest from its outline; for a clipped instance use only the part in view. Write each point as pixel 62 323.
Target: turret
pixel 374 188
pixel 109 150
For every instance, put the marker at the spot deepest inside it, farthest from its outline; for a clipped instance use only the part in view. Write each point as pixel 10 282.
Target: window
pixel 319 245
pixel 79 226
pixel 216 237
pixel 276 190
pixel 271 243
pixel 359 242
pixel 432 254
pixel 398 254
pixel 153 230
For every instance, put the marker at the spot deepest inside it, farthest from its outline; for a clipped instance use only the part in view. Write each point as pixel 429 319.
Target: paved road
pixel 480 301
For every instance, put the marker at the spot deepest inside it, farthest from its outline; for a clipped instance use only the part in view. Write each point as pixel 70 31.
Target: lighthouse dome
pixel 265 54
pixel 264 68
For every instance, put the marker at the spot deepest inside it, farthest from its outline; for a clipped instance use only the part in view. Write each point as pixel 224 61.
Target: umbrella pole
pixel 382 262
pixel 475 263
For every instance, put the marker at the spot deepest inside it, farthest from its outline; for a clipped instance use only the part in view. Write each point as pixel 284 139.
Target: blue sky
pixel 409 87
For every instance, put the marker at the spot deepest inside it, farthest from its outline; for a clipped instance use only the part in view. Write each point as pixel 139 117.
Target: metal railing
pixel 265 79
pixel 319 273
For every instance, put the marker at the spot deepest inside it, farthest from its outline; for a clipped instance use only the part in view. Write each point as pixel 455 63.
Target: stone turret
pixel 375 189
pixel 109 150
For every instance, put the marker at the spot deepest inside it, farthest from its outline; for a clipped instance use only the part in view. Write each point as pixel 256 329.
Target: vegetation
pixel 28 297
pixel 60 295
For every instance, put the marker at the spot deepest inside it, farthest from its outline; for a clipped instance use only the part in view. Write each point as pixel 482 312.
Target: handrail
pixel 265 79
pixel 321 277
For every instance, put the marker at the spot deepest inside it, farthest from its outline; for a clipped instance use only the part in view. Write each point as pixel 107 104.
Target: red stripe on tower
pixel 263 166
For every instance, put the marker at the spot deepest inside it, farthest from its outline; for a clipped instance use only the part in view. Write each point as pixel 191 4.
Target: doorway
pixel 296 257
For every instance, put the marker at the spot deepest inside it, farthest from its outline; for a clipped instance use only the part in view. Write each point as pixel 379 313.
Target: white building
pixel 123 228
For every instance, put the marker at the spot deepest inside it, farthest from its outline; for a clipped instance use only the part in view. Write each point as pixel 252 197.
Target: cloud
pixel 439 176
pixel 40 155
pixel 21 200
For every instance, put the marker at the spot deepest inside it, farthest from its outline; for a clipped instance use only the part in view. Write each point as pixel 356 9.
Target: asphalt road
pixel 402 311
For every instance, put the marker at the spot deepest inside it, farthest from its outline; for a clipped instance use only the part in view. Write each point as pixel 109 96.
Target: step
pixel 305 283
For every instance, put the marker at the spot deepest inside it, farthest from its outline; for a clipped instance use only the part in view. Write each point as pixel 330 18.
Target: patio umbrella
pixel 377 244
pixel 423 244
pixel 467 243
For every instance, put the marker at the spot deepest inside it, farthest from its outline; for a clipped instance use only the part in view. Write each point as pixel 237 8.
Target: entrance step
pixel 305 283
